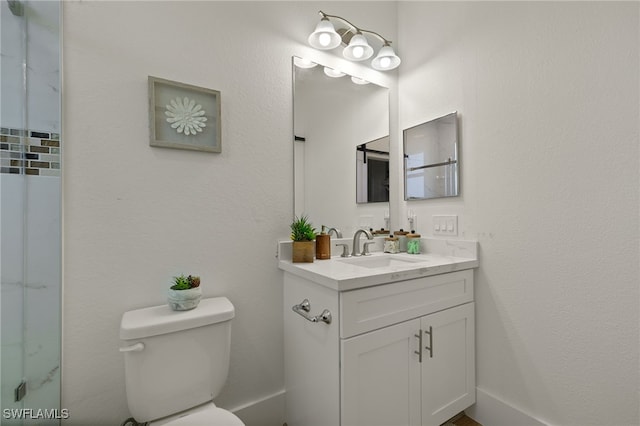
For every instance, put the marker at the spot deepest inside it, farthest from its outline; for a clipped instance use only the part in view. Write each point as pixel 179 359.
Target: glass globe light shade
pixel 325 36
pixel 386 59
pixel 330 72
pixel 358 48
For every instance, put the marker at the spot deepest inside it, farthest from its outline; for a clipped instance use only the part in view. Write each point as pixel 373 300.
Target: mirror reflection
pixel 333 118
pixel 372 171
pixel 431 159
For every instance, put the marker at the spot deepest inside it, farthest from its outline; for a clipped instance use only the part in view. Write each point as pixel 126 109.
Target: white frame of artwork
pixel 200 130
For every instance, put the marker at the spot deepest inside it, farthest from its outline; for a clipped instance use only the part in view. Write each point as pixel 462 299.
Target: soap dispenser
pixel 413 243
pixel 323 245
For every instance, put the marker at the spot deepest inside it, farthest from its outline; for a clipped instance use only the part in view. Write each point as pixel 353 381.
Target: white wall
pixel 547 95
pixel 548 100
pixel 135 215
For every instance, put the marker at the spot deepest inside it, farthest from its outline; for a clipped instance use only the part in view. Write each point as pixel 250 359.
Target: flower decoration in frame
pixel 183 116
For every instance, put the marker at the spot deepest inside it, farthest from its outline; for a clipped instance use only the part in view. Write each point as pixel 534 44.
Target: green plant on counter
pixel 302 229
pixel 184 283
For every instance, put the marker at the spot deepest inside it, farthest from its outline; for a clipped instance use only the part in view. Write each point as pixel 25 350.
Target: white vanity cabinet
pixel 396 354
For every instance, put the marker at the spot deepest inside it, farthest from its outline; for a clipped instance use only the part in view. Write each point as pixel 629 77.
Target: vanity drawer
pixel 376 307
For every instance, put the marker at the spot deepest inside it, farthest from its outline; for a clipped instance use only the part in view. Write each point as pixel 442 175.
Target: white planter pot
pixel 184 300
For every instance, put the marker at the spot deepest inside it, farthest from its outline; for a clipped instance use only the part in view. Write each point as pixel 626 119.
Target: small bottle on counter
pixel 402 238
pixel 391 244
pixel 323 245
pixel 413 243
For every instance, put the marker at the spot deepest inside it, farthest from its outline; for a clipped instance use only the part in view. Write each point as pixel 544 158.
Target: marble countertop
pixel 343 274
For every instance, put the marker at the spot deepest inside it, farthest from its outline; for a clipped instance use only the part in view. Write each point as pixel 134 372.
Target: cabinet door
pixel 381 377
pixel 448 364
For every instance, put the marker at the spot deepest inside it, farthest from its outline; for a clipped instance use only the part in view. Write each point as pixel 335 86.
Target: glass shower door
pixel 30 212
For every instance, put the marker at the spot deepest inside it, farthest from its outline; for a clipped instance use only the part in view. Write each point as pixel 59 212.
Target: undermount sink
pixel 380 261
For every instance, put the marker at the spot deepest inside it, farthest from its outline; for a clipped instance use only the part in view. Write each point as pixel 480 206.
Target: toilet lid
pixel 213 416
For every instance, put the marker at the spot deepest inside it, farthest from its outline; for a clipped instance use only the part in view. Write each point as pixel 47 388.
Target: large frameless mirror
pixel 431 164
pixel 337 119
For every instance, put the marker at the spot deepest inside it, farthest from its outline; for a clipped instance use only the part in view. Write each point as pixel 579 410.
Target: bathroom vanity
pixel 386 339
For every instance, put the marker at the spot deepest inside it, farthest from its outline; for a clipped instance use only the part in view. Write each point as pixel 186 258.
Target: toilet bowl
pixel 207 414
pixel 176 362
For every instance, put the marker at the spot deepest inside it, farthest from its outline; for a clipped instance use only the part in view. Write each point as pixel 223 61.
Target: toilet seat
pixel 209 416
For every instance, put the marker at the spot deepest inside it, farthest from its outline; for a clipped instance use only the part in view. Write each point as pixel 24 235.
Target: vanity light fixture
pixel 325 37
pixel 330 72
pixel 386 59
pixel 358 48
pixel 303 63
pixel 357 80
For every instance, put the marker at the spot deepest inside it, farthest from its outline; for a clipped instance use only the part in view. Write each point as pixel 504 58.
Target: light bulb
pixel 324 39
pixel 325 36
pixel 386 59
pixel 358 48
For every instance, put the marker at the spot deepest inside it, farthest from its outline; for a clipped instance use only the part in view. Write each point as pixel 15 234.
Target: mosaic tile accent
pixel 29 152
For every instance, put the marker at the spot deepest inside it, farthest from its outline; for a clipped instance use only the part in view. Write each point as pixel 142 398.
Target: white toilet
pixel 176 362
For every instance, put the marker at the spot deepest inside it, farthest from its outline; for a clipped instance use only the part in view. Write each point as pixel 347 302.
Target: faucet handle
pixel 345 249
pixel 365 248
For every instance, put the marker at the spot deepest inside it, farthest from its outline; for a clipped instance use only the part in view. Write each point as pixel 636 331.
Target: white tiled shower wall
pixel 31 292
pixel 30 204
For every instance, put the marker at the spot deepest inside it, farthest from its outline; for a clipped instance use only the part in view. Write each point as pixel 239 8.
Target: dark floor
pixel 466 421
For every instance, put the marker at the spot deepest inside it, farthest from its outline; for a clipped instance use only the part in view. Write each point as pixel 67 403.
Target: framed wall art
pixel 183 116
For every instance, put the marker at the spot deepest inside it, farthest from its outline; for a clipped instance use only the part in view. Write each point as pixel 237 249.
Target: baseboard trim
pixel 266 411
pixel 488 410
pixel 493 411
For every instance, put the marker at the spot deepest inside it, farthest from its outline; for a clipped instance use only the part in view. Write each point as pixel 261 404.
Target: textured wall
pixel 136 215
pixel 548 100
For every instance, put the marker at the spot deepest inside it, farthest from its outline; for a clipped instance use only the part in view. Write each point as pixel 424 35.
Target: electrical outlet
pixel 445 225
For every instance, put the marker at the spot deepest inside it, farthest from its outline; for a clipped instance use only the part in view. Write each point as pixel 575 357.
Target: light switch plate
pixel 445 225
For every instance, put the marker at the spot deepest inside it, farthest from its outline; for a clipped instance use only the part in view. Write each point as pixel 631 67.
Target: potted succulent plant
pixel 303 235
pixel 185 293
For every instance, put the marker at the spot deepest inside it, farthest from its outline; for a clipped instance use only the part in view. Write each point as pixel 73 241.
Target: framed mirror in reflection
pixel 333 118
pixel 431 164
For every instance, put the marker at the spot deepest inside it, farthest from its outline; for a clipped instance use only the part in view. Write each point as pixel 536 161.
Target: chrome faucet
pixel 336 230
pixel 356 242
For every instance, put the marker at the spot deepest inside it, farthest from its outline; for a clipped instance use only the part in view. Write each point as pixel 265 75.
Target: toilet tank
pixel 183 360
